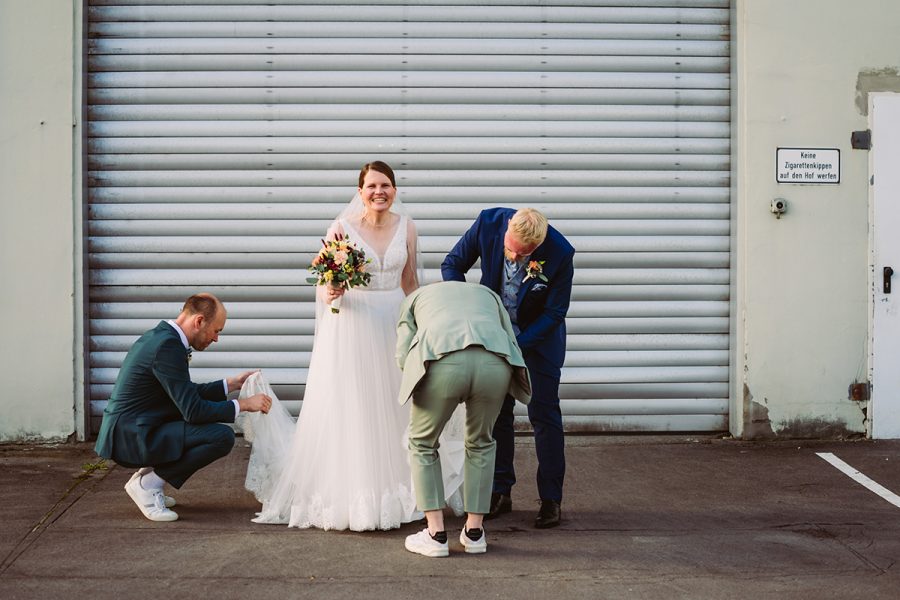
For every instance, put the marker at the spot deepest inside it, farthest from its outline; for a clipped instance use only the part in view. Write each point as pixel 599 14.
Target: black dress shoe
pixel 500 503
pixel 549 515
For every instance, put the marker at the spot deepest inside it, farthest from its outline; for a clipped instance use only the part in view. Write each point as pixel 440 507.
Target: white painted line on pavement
pixel 861 479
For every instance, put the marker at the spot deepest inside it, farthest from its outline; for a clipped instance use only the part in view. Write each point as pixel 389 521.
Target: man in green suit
pixel 158 420
pixel 456 344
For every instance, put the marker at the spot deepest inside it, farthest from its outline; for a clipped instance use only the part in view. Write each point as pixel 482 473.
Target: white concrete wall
pixel 37 347
pixel 801 291
pixel 801 295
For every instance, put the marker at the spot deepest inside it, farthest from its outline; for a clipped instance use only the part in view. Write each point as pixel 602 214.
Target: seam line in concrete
pixel 51 516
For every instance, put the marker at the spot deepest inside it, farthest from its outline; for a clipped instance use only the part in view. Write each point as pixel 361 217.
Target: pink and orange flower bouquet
pixel 340 264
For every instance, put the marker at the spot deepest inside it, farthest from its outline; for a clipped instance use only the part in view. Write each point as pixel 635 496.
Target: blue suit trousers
pixel 549 442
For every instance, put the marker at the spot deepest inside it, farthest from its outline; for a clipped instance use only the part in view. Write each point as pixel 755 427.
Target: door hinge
pixel 859 392
pixel 861 140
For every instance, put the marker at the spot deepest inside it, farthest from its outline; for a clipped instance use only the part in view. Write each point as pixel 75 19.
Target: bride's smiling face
pixel 377 192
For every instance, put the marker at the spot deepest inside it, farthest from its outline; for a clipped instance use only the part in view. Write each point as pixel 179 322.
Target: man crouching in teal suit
pixel 456 344
pixel 158 420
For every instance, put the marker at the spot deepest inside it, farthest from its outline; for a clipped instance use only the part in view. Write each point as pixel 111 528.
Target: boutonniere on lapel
pixel 190 351
pixel 535 270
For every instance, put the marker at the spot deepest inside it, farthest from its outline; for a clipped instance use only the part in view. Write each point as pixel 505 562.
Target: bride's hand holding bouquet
pixel 341 265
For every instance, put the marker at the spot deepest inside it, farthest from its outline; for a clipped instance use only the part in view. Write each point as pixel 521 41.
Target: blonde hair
pixel 529 226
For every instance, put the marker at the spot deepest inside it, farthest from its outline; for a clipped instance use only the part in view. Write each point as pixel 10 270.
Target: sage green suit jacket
pixel 444 317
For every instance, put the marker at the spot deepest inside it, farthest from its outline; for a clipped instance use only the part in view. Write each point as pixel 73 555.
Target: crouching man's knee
pixel 222 438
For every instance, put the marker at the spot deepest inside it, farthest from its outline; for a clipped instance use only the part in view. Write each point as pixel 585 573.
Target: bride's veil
pixel 271 436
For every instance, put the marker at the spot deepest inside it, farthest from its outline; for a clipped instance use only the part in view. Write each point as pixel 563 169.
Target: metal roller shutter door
pixel 223 137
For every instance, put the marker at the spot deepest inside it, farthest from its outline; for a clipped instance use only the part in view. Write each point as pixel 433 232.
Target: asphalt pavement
pixel 643 517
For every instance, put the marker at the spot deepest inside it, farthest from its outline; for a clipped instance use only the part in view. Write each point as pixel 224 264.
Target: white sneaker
pixel 478 546
pixel 422 543
pixel 151 502
pixel 170 501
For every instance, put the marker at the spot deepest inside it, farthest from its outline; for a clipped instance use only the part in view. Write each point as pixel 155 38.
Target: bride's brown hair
pixel 381 167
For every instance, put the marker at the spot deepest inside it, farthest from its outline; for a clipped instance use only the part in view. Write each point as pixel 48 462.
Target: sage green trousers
pixel 480 380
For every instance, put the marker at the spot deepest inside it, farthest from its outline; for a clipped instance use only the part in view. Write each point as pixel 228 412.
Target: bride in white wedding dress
pixel 345 465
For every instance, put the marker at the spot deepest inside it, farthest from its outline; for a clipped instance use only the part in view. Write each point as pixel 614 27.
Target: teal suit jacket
pixel 444 317
pixel 152 401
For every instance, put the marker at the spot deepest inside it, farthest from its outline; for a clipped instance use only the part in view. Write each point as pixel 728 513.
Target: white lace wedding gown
pixel 345 465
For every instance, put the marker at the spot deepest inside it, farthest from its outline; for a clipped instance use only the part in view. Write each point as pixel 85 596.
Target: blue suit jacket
pixel 541 307
pixel 153 399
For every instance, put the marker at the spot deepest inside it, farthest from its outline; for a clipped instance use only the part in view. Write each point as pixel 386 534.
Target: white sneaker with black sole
pixel 471 546
pixel 422 543
pixel 151 502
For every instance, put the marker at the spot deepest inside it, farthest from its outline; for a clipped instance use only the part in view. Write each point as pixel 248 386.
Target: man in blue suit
pixel 159 421
pixel 529 265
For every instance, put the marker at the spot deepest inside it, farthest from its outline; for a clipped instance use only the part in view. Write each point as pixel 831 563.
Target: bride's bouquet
pixel 340 264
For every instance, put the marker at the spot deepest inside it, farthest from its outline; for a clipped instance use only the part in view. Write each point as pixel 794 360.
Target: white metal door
pixel 885 404
pixel 223 135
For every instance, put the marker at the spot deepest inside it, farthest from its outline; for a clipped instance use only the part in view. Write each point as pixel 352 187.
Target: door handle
pixel 886 285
